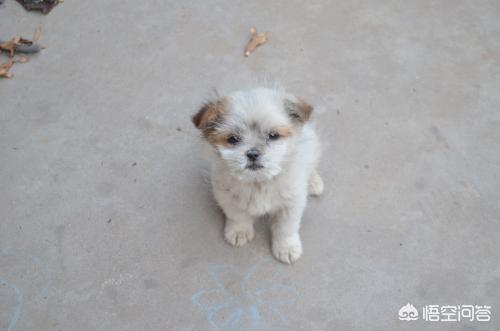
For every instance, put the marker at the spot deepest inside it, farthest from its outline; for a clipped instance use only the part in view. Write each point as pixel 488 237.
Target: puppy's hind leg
pixel 315 185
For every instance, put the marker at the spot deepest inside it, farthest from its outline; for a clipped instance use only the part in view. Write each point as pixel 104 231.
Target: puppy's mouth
pixel 254 166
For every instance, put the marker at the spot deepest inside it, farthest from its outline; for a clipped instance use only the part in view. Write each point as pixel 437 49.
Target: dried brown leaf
pixel 7 65
pixel 4 73
pixel 21 45
pixel 255 41
pixel 21 59
pixel 37 33
pixel 9 47
pixel 22 41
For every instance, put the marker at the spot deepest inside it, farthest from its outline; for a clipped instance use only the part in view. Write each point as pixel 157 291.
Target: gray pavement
pixel 106 217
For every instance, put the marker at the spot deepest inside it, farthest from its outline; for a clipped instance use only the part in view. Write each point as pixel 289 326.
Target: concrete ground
pixel 107 220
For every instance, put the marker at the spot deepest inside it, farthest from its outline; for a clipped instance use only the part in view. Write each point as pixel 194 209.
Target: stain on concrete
pixel 436 132
pixel 150 283
pixel 105 188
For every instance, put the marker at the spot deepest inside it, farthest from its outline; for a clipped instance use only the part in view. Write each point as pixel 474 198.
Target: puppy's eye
pixel 273 136
pixel 233 140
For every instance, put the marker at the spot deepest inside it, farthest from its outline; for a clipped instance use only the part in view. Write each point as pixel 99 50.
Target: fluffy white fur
pixel 286 174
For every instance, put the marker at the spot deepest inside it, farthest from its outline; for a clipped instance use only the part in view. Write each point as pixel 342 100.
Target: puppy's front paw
pixel 238 234
pixel 287 250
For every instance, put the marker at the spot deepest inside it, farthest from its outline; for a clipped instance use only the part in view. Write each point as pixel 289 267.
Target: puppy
pixel 264 160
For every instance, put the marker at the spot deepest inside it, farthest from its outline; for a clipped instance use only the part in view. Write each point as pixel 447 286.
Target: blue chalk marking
pixel 239 313
pixel 275 305
pixel 213 310
pixel 19 293
pixel 234 318
pixel 38 262
pixel 251 272
pixel 195 298
pixel 215 271
pixel 254 311
pixel 19 305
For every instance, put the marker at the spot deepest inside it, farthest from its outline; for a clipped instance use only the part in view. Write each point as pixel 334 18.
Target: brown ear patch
pixel 219 138
pixel 211 114
pixel 299 110
pixel 284 131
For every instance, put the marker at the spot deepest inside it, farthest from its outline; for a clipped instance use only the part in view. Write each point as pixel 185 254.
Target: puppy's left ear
pixel 298 110
pixel 209 115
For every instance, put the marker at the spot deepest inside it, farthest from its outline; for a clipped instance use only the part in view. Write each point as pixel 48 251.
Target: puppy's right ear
pixel 298 110
pixel 209 115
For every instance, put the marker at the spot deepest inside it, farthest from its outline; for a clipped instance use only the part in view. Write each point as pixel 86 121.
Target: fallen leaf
pixel 255 41
pixel 7 65
pixel 37 33
pixel 4 73
pixel 22 41
pixel 21 59
pixel 18 45
pixel 9 47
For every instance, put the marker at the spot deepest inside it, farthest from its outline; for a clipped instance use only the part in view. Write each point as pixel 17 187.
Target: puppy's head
pixel 253 131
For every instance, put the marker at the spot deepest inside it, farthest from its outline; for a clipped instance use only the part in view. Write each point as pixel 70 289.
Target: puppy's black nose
pixel 253 154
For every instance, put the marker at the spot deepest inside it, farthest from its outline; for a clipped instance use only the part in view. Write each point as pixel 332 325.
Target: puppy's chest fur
pixel 257 199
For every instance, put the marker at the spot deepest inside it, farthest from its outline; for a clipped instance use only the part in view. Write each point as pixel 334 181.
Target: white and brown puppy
pixel 264 163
